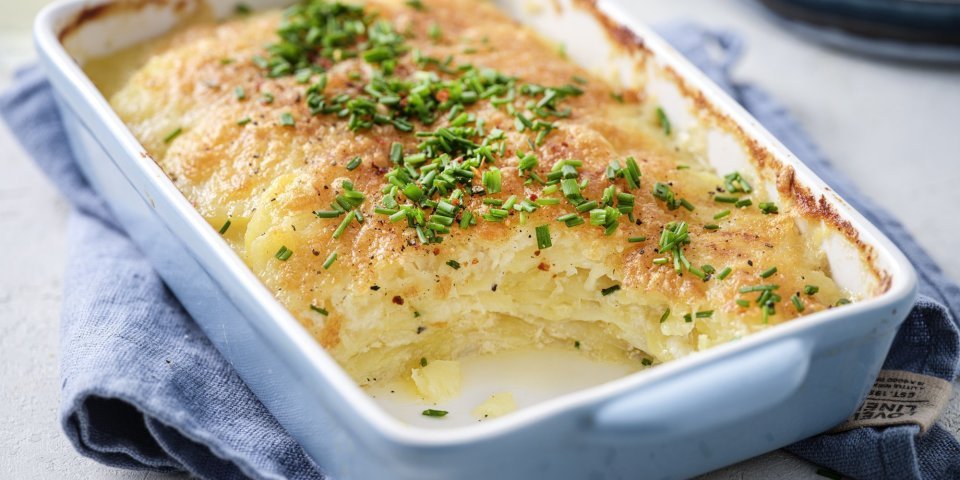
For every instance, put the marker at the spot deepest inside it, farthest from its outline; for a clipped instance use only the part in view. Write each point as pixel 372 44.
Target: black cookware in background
pixel 923 30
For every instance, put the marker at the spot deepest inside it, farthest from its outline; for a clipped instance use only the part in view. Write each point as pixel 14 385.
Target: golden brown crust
pixel 813 207
pixel 268 178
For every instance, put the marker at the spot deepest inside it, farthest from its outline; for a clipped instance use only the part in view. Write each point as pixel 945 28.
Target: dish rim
pixel 47 31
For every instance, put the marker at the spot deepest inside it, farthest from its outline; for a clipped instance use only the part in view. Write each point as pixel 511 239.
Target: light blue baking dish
pixel 674 421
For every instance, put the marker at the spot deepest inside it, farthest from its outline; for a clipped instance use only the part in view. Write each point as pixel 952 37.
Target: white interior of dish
pixel 539 375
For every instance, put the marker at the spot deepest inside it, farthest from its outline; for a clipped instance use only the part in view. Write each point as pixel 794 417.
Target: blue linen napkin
pixel 142 388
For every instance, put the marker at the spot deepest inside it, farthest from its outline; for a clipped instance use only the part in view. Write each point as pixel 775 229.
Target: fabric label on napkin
pixel 899 398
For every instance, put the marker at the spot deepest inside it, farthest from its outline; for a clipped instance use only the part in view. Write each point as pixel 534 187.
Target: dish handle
pixel 744 385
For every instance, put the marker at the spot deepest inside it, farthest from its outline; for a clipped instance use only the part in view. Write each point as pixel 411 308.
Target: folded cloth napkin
pixel 142 387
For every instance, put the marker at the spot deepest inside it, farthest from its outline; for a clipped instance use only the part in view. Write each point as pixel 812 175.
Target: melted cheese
pixel 391 300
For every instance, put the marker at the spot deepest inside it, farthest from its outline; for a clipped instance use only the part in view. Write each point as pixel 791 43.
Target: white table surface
pixel 894 128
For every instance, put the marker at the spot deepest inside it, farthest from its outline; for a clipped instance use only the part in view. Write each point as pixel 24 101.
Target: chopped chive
pixel 612 227
pixel 343 225
pixel 174 134
pixel 745 202
pixel 243 121
pixel 352 164
pixel 735 183
pixel 697 273
pixel 454 264
pixel 722 214
pixel 810 289
pixel 327 213
pixel 567 217
pixel 664 121
pixel 796 302
pixel 661 261
pixel 284 253
pixel 466 219
pixel 665 315
pixel 646 362
pixel 587 206
pixel 321 311
pixel 423 361
pixel 685 204
pixel 329 261
pixel 396 152
pixel 598 217
pixel 286 119
pixel 687 318
pixel 724 273
pixel 225 226
pixel 768 272
pixel 712 226
pixel 636 239
pixel 758 288
pixel 543 237
pixel 743 303
pixel 843 301
pixel 434 413
pixel 434 32
pixel 492 180
pixel 266 98
pixel 768 207
pixel 239 92
pixel 705 314
pixel 609 290
pixel 725 199
pixel 576 344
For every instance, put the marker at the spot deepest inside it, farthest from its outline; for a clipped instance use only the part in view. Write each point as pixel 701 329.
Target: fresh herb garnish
pixel 663 121
pixel 609 290
pixel 284 253
pixel 724 273
pixel 329 261
pixel 795 298
pixel 354 163
pixel 543 237
pixel 174 134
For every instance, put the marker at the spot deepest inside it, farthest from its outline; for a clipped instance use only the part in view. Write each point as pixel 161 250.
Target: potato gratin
pixel 419 182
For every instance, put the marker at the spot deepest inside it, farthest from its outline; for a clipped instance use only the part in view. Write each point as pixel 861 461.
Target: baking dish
pixel 674 421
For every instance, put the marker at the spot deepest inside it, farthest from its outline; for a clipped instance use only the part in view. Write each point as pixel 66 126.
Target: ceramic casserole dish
pixel 677 420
